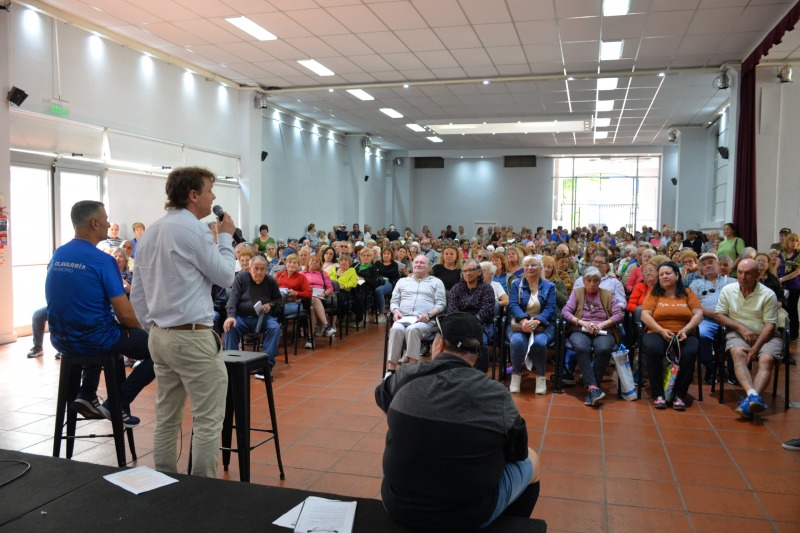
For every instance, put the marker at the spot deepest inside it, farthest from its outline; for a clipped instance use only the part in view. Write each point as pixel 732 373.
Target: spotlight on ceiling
pixel 785 74
pixel 672 135
pixel 722 81
pixel 16 96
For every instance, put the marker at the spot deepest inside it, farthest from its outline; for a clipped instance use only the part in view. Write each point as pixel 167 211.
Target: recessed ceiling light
pixel 602 122
pixel 610 50
pixel 607 84
pixel 330 90
pixel 405 86
pixel 662 74
pixel 605 105
pixel 486 82
pixel 600 135
pixel 250 27
pixel 615 8
pixel 316 67
pixel 361 94
pixel 570 79
pixel 415 127
pixel 434 139
pixel 390 112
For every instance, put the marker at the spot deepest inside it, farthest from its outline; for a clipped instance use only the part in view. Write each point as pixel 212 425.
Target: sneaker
pixel 128 420
pixel 260 375
pixel 568 378
pixel 541 385
pixel 89 407
pixel 318 330
pixel 793 445
pixel 403 360
pixel 309 344
pixel 36 351
pixel 329 330
pixel 710 377
pixel 516 381
pixel 678 404
pixel 744 409
pixel 732 380
pixel 594 396
pixel 757 404
pixel 660 403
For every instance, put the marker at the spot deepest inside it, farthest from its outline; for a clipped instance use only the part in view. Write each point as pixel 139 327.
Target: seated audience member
pixel 368 281
pixel 649 279
pixel 500 295
pixel 302 255
pixel 690 268
pixel 345 275
pixel 513 257
pixel 501 275
pixel 356 234
pixel 473 296
pixel 90 314
pixel 771 281
pixel 122 262
pixel 417 298
pixel 328 255
pixel 311 236
pixel 750 312
pixel 550 274
pixel 392 234
pixel 593 316
pixel 628 260
pixel 263 239
pixel 425 248
pixel 725 265
pixel 635 274
pixel 272 256
pixel 477 464
pixel 219 299
pixel 321 288
pixel 38 322
pixel 128 248
pixel 112 239
pixel 296 291
pixel 670 313
pixel 694 241
pixel 250 288
pixel 341 232
pixel 532 305
pixel 609 282
pixel 708 289
pixel 402 257
pixel 449 267
pixel 390 270
pixel 789 276
pixel 138 231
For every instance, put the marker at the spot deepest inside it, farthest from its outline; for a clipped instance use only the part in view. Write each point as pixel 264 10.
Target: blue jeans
pixel 37 325
pixel 133 344
pixel 247 324
pixel 516 478
pixel 380 292
pixel 519 349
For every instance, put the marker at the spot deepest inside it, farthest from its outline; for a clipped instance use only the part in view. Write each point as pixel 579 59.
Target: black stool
pixel 68 384
pixel 237 407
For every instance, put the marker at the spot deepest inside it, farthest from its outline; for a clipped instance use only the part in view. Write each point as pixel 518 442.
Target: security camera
pixel 672 135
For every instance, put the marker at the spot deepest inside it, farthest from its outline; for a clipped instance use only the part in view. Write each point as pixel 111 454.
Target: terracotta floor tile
pixel 571 515
pixel 338 439
pixel 708 475
pixel 637 468
pixel 371 442
pixel 781 507
pixel 589 464
pixel 635 520
pixel 641 493
pixel 777 481
pixel 622 416
pixel 706 522
pixel 630 431
pixel 778 459
pixel 685 420
pixel 722 501
pixel 696 453
pixel 347 485
pixel 352 422
pixel 573 425
pixel 572 487
pixel 360 464
pixel 569 411
pixel 296 478
pixel 689 435
pixel 311 458
pixel 572 443
pixel 633 448
pixel 750 440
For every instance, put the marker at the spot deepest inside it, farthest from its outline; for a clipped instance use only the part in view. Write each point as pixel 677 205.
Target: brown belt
pixel 189 327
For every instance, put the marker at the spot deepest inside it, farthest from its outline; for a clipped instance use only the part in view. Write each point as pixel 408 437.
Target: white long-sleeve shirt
pixel 177 261
pixel 415 297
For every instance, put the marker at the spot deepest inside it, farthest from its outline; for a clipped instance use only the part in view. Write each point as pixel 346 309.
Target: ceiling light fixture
pixel 616 8
pixel 390 112
pixel 434 139
pixel 602 122
pixel 600 135
pixel 662 74
pixel 251 28
pixel 361 94
pixel 486 82
pixel 605 105
pixel 405 86
pixel 610 50
pixel 316 67
pixel 607 84
pixel 415 127
pixel 540 125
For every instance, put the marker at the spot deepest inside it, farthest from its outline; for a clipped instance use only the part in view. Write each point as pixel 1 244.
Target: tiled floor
pixel 624 467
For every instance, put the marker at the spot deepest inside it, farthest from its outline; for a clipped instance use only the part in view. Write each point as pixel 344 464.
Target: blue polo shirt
pixel 81 280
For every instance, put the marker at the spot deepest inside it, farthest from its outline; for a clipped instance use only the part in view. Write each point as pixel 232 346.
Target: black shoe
pixel 710 377
pixel 89 407
pixel 732 381
pixel 792 361
pixel 36 351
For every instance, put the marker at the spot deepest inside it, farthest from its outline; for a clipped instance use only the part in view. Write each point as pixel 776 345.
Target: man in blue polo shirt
pixel 89 312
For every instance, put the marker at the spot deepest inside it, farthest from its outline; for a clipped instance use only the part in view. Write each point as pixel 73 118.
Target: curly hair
pixel 183 180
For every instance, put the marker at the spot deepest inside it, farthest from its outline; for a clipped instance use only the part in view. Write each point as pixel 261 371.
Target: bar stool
pixel 239 364
pixel 68 385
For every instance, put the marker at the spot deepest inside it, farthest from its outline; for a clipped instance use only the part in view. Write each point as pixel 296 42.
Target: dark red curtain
pixel 744 203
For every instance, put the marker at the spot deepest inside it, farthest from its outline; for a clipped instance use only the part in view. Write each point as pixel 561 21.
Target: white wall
pixel 777 156
pixel 6 307
pixel 669 170
pixel 468 190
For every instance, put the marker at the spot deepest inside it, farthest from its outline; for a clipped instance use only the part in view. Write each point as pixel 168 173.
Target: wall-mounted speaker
pixel 264 155
pixel 674 181
pixel 723 151
pixel 16 96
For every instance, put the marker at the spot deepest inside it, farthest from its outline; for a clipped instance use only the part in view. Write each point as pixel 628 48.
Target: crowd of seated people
pixel 641 271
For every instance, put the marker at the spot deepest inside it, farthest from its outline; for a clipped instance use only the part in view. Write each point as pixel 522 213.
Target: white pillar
pixel 6 295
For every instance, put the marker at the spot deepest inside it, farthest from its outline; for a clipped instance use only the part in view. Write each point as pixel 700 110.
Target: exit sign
pixel 57 107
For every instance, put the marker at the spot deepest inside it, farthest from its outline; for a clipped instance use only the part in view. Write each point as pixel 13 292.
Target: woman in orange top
pixel 670 310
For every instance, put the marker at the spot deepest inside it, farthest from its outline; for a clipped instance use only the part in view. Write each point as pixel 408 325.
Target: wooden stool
pixel 68 385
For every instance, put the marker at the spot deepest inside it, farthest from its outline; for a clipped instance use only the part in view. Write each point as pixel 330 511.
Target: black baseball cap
pixel 785 231
pixel 458 327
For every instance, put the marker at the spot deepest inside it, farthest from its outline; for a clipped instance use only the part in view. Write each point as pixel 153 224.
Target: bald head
pixel 747 274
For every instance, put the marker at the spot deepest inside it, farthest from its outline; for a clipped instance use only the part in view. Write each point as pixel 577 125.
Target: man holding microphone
pixel 177 262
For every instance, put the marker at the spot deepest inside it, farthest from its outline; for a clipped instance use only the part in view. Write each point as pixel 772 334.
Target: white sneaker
pixel 516 381
pixel 541 385
pixel 318 330
pixel 403 360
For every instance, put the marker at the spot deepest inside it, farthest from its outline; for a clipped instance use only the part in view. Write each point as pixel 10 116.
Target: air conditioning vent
pixel 428 162
pixel 518 161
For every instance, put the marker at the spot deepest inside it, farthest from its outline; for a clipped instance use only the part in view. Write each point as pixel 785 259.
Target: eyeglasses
pixel 599 263
pixel 709 291
pixel 469 270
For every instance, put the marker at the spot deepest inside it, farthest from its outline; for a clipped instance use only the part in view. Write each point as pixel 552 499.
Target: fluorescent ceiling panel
pixel 601 135
pixel 610 50
pixel 434 139
pixel 602 122
pixel 361 94
pixel 390 112
pixel 250 27
pixel 605 105
pixel 529 126
pixel 314 66
pixel 615 8
pixel 607 84
pixel 415 127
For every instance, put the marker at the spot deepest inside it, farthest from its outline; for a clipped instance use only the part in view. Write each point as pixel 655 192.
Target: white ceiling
pixel 368 42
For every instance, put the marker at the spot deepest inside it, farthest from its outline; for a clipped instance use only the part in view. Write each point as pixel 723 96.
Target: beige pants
pixel 188 363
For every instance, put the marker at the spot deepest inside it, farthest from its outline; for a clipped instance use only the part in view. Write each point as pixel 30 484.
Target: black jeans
pixel 583 343
pixel 655 347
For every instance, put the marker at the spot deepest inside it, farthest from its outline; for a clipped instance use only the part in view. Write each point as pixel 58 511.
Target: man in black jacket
pixel 456 453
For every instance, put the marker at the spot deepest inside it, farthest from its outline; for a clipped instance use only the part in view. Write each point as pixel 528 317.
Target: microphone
pixel 218 211
pixel 237 236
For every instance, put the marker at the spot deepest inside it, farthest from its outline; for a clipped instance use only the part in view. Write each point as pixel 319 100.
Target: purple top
pixel 788 265
pixel 592 309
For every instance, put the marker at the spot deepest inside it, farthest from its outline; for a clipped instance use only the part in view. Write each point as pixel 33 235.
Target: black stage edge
pixel 63 495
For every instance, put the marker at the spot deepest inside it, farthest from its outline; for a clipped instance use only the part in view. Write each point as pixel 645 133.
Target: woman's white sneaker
pixel 516 381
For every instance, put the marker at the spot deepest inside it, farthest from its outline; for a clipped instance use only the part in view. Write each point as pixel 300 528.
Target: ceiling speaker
pixel 16 96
